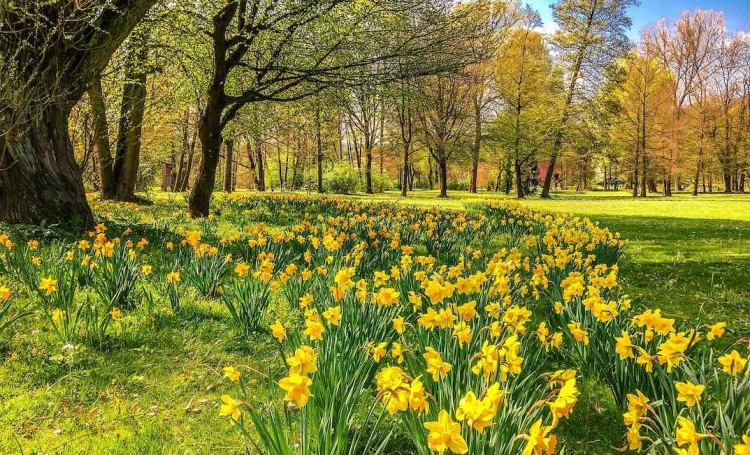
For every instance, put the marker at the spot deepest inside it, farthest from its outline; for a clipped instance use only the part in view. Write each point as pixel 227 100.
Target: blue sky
pixel 736 13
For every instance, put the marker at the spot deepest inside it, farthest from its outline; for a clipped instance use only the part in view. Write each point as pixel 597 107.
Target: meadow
pixel 372 324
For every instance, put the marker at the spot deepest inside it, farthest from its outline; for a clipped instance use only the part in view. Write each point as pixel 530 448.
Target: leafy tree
pixel 590 37
pixel 525 86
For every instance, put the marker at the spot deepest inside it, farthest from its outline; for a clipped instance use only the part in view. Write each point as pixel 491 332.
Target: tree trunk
pixel 508 177
pixel 63 52
pixel 637 161
pixel 727 180
pixel 519 184
pixel 498 184
pixel 261 166
pixel 131 122
pixel 319 145
pixel 183 151
pixel 551 167
pixel 443 177
pixel 251 164
pixel 368 164
pixel 40 181
pixel 644 179
pixel 209 132
pixel 477 144
pixel 430 183
pixel 407 146
pixel 101 139
pixel 228 165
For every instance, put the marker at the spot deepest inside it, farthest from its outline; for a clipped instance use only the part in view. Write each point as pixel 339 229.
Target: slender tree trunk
pixel 101 139
pixel 368 163
pixel 477 143
pixel 442 175
pixel 228 165
pixel 380 136
pixel 498 182
pixel 637 159
pixel 251 164
pixel 698 165
pixel 131 122
pixel 260 162
pixel 430 183
pixel 185 184
pixel 581 54
pixel 644 178
pixel 519 181
pixel 319 145
pixel 183 151
pixel 407 146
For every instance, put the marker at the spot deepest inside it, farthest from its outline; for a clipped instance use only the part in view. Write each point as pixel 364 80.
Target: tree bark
pixel 368 164
pixel 101 139
pixel 131 122
pixel 477 144
pixel 519 181
pixel 443 177
pixel 209 132
pixel 228 165
pixel 319 146
pixel 260 163
pixel 407 146
pixel 430 183
pixel 183 151
pixel 40 181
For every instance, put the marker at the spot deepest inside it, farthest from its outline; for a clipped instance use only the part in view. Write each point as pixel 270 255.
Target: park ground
pixel 157 393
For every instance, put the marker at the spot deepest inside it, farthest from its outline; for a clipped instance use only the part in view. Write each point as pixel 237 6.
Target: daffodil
pixel 445 434
pixel 230 407
pixel 539 441
pixel 689 393
pixel 297 389
pixel 733 363
pixel 278 331
pixel 231 373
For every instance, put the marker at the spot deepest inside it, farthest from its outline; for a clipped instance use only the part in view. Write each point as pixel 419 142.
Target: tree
pixel 50 53
pixel 591 36
pixel 262 51
pixel 525 87
pixel 444 117
pixel 686 49
pixel 642 96
pixel 364 107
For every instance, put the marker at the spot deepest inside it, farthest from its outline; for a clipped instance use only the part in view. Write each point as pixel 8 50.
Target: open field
pixel 152 385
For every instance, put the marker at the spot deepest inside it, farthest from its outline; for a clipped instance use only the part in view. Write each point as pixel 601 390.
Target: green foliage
pixel 247 299
pixel 341 180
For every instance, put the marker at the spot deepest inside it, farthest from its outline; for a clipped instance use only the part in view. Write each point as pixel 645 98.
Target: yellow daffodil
pixel 445 434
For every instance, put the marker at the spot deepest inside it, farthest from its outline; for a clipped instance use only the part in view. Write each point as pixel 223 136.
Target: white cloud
pixel 549 28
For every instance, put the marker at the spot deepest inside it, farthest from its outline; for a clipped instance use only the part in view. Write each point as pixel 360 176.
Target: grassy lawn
pixel 156 391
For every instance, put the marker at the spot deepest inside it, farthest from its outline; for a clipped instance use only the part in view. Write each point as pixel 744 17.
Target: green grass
pixel 157 390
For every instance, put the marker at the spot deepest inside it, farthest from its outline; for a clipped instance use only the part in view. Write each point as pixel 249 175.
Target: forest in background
pixel 347 96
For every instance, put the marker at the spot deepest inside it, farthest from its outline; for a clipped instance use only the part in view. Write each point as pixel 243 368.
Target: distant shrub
pixel 341 180
pixel 380 182
pixel 458 186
